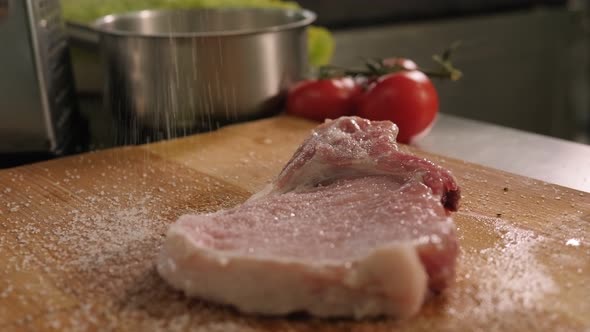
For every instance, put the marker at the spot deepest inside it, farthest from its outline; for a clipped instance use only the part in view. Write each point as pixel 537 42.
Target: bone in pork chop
pixel 351 227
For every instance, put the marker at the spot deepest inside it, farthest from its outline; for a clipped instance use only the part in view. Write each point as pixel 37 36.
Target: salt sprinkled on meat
pixel 351 227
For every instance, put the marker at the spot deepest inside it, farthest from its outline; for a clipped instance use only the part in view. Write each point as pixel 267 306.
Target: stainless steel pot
pixel 184 69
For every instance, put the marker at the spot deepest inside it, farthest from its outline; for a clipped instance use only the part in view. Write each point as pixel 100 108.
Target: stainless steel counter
pixel 540 157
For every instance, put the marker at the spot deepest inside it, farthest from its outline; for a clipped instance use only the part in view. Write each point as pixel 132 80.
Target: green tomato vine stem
pixel 374 68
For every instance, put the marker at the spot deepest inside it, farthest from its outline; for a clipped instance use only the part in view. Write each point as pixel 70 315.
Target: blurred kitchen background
pixel 525 62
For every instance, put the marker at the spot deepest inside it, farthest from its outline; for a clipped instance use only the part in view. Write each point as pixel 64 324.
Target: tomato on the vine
pixel 323 98
pixel 407 98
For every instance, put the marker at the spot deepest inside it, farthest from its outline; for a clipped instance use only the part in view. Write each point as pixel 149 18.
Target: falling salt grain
pixel 55 324
pixel 267 141
pixel 6 291
pixel 573 243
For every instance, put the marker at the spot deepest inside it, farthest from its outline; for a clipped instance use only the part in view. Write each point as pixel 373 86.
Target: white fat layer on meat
pixel 389 281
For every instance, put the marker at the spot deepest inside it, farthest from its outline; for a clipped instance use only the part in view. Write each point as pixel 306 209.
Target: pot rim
pixel 307 17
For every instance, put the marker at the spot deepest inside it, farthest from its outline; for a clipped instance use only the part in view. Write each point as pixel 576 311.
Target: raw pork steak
pixel 351 227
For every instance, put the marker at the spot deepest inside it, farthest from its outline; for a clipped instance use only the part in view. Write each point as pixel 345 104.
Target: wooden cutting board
pixel 78 238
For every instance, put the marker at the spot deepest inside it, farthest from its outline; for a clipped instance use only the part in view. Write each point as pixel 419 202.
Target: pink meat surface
pixel 351 227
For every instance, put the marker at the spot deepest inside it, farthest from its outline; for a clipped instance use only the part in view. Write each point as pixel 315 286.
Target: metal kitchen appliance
pixel 38 112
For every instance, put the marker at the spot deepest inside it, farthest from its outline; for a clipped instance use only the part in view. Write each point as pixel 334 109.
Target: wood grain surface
pixel 78 238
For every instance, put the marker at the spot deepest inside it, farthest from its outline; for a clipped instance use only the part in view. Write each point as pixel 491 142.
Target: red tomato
pixel 404 63
pixel 324 98
pixel 406 98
